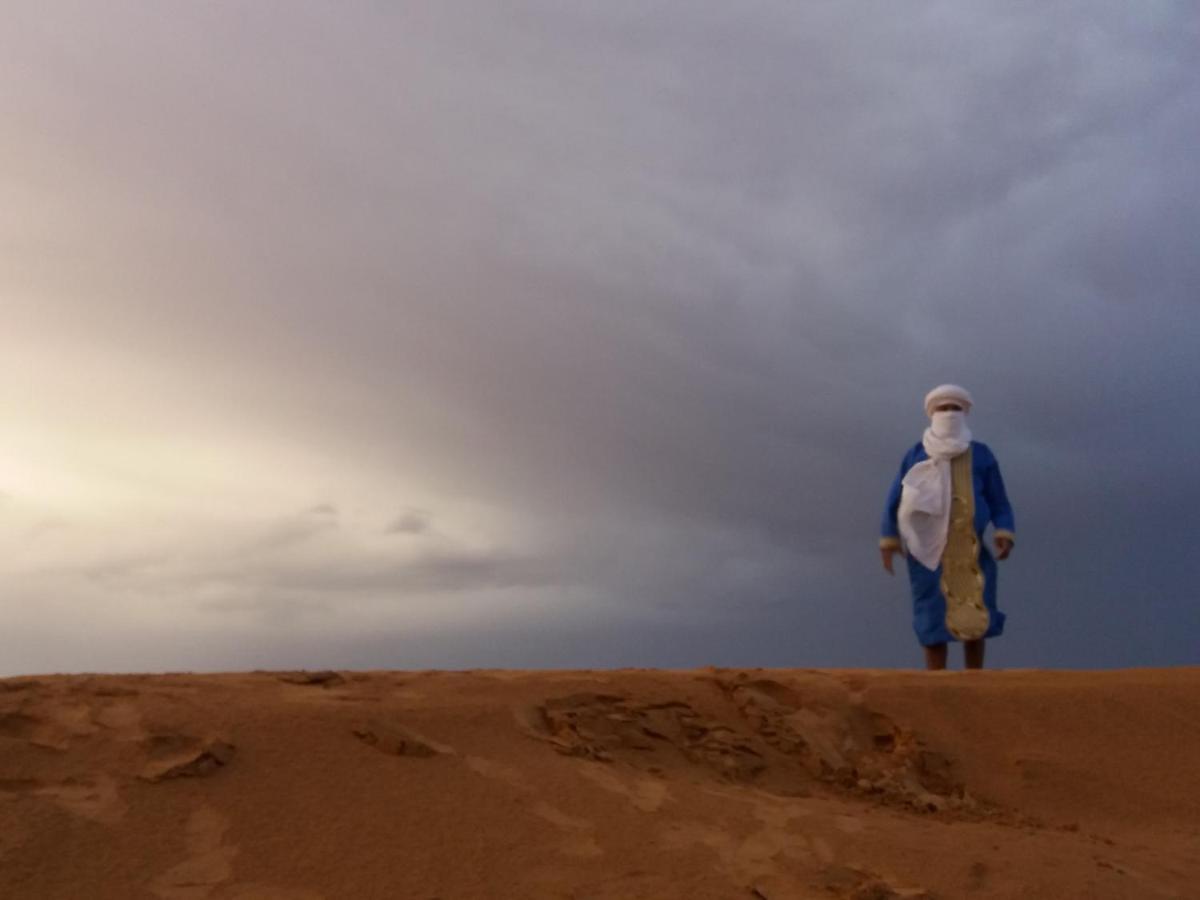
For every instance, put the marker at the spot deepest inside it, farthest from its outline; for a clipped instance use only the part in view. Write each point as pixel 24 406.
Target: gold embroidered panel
pixel 967 617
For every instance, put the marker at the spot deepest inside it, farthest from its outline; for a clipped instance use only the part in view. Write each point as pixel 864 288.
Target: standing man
pixel 947 492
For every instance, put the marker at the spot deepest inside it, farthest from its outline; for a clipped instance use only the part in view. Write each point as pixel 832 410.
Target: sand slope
pixel 765 784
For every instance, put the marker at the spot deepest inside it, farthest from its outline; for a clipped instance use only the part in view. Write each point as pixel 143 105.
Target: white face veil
pixel 949 424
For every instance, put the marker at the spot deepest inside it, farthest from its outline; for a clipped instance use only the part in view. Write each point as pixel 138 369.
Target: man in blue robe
pixel 947 492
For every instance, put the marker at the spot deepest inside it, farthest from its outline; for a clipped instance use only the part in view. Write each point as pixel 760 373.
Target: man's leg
pixel 935 657
pixel 973 654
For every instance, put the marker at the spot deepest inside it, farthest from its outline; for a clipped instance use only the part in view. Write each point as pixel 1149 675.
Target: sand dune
pixel 601 785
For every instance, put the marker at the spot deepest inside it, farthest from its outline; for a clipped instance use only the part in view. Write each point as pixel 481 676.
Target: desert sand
pixel 601 785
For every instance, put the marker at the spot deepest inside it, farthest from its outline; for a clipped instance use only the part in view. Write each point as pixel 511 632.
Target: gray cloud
pixel 436 572
pixel 663 286
pixel 297 529
pixel 411 521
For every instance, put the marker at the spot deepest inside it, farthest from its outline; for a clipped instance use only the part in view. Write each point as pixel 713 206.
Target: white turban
pixel 947 393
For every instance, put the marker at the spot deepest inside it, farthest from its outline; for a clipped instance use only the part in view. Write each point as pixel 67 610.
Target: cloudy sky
pixel 532 333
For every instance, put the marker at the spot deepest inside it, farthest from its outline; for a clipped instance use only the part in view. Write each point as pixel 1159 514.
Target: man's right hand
pixel 887 553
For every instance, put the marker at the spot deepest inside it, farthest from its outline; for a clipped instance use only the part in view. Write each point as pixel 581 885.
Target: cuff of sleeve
pixel 889 543
pixel 1005 533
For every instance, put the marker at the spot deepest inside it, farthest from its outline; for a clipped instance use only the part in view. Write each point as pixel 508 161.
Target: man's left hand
pixel 1003 547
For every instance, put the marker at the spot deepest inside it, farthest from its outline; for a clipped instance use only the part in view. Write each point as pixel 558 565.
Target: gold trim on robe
pixel 967 617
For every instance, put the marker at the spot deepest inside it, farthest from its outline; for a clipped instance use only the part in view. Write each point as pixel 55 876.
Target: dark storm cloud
pixel 667 283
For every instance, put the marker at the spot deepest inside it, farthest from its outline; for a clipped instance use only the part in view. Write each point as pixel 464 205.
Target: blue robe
pixel 991 505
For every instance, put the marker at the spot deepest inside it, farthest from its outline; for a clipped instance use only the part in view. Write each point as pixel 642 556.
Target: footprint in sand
pixel 209 861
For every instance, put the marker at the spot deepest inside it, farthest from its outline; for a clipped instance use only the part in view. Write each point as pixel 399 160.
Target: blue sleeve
pixel 997 498
pixel 889 528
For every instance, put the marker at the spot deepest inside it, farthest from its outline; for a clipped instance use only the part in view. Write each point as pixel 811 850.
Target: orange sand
pixel 601 785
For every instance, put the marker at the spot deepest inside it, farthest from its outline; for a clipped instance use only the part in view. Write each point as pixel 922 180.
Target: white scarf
pixel 924 516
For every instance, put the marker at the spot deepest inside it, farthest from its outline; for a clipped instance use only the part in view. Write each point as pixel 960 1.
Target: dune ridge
pixel 600 785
